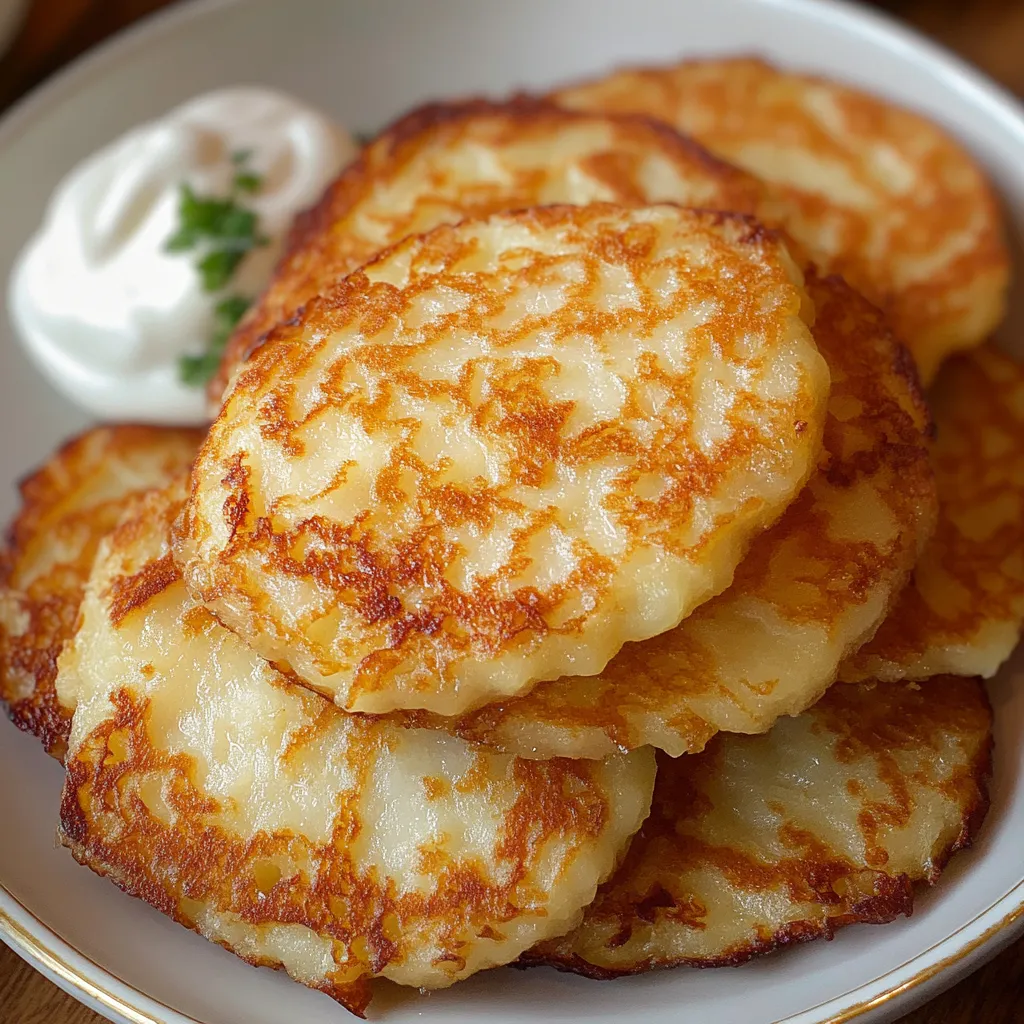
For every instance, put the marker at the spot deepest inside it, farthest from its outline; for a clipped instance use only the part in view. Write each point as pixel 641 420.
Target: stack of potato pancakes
pixel 576 571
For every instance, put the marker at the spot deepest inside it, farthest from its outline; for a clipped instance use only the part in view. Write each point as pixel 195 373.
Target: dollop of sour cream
pixel 102 307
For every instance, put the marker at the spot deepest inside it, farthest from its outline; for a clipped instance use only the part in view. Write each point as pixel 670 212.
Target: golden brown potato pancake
pixel 67 506
pixel 875 193
pixel 762 841
pixel 335 846
pixel 963 609
pixel 810 590
pixel 445 162
pixel 506 448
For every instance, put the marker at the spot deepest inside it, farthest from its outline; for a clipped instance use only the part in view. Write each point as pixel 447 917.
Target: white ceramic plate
pixel 367 62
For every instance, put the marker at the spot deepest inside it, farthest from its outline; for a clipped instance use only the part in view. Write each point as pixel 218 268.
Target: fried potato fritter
pixel 963 611
pixel 446 162
pixel 875 193
pixel 68 505
pixel 763 841
pixel 810 590
pixel 336 846
pixel 505 449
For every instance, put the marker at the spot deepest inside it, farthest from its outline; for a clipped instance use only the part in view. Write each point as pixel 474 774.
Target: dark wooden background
pixel 988 32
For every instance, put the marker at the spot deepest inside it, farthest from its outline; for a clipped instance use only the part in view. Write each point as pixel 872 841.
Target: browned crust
pixel 403 137
pixel 191 856
pixel 161 864
pixel 364 571
pixel 957 303
pixel 975 810
pixel 309 246
pixel 893 896
pixel 890 455
pixel 56 507
pixel 354 996
pixel 905 366
pixel 976 401
pixel 127 593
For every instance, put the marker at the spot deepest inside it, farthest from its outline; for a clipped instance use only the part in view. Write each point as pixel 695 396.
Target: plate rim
pixel 53 962
pixel 983 935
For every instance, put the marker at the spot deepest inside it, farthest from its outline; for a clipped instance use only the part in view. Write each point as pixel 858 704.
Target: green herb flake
pixel 183 240
pixel 196 371
pixel 237 224
pixel 228 312
pixel 214 224
pixel 215 268
pixel 221 232
pixel 248 182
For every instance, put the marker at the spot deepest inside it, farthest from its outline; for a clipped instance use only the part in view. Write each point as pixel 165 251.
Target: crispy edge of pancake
pixel 893 894
pixel 35 621
pixel 226 546
pixel 556 828
pixel 935 314
pixel 310 243
pixel 606 710
pixel 974 558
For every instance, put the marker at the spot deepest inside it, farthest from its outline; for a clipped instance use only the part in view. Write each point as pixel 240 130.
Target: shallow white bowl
pixel 367 62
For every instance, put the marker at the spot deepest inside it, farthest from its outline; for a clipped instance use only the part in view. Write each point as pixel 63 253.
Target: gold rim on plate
pixel 31 946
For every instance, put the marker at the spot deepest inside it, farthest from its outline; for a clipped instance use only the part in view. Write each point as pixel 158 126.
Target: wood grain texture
pixel 989 33
pixel 26 997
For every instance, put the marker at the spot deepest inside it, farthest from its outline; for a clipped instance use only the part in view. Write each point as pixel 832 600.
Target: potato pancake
pixel 506 448
pixel 335 846
pixel 762 841
pixel 67 506
pixel 875 193
pixel 447 162
pixel 963 610
pixel 810 591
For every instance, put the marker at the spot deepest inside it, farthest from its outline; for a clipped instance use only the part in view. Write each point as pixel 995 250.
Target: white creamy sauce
pixel 101 306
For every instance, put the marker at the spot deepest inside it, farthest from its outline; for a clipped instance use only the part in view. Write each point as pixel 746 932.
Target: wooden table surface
pixel 988 32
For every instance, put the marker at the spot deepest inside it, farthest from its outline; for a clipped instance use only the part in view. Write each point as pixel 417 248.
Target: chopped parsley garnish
pixel 197 370
pixel 221 231
pixel 216 268
pixel 247 182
